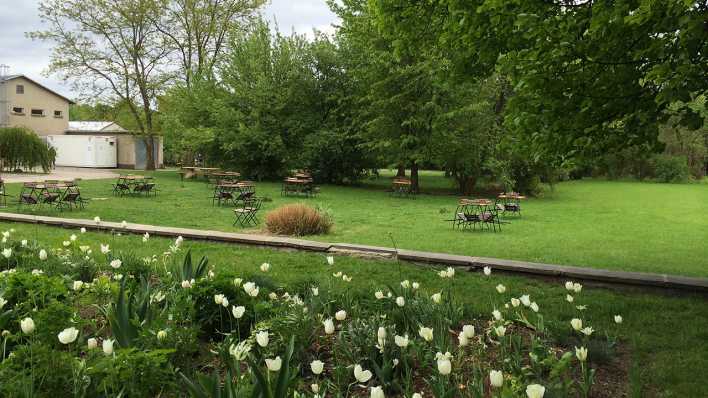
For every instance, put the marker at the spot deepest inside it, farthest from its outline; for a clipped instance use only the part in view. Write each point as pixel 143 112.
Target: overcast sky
pixel 30 58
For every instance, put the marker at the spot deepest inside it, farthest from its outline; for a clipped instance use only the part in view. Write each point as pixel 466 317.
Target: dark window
pixel 37 112
pixel 17 109
pixel 58 114
pixel 20 89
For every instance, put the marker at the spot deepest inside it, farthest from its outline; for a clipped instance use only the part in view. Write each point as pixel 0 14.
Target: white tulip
pixel 262 338
pixel 401 341
pixel 377 392
pixel 568 285
pixel 426 333
pixel 400 301
pixel 346 278
pixel 116 263
pixel 161 335
pixel 468 331
pixel 317 366
pixel 237 282
pixel 2 302
pixel 525 300
pixel 362 376
pixel 186 284
pixel 500 331
pixel 274 364
pixel 328 326
pixel 124 224
pixel 238 311
pixel 618 319
pixel 330 260
pixel 450 272
pixel 487 271
pixel 248 287
pixel 577 287
pixel 581 353
pixel 92 343
pixel 37 272
pixel 443 362
pixel 42 254
pixel 105 249
pixel 569 298
pixel 535 391
pixel 146 237
pixel 97 220
pixel 315 291
pixel 225 302
pixel 23 242
pixel 340 315
pixel 315 389
pixel 462 340
pixel 406 284
pixel 496 378
pixel 68 335
pixel 576 323
pixel 534 307
pixel 27 325
pixel 437 298
pixel 7 252
pixel 501 288
pixel 218 299
pixel 515 302
pixel 379 295
pixel 78 285
pixel 497 315
pixel 72 237
pixel 273 296
pixel 587 331
pixel 337 274
pixel 265 267
pixel 417 395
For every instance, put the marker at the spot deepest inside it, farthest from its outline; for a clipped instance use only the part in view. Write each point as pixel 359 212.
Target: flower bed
pixel 94 321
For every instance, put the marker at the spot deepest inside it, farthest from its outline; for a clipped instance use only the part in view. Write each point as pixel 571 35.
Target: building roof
pixel 11 77
pixel 95 127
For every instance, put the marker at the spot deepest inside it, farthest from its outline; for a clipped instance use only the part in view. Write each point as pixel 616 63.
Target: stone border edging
pixel 522 267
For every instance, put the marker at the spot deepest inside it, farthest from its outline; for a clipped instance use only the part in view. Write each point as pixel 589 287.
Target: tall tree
pixel 198 31
pixel 111 48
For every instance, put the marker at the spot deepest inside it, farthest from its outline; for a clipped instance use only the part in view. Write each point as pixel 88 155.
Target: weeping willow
pixel 20 148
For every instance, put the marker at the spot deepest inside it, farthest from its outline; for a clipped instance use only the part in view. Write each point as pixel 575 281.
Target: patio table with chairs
pixel 300 183
pixel 225 192
pixel 471 213
pixel 402 187
pixel 510 202
pixel 58 194
pixel 131 184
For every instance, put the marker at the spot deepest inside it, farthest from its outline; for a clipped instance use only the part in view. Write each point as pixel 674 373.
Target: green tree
pixel 111 49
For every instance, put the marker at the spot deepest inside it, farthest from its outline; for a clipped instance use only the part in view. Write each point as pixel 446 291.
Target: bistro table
pixel 299 184
pixel 402 187
pixel 510 202
pixel 233 192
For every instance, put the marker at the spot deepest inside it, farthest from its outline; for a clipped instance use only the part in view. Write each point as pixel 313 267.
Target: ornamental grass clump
pixel 298 220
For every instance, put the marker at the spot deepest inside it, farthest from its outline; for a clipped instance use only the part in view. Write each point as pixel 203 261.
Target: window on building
pixel 20 89
pixel 58 114
pixel 18 110
pixel 37 112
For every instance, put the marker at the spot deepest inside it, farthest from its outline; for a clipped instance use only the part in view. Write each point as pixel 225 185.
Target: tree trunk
pixel 150 149
pixel 415 187
pixel 401 170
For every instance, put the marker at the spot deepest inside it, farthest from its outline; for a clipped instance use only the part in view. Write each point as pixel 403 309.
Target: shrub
pixel 299 220
pixel 669 168
pixel 22 148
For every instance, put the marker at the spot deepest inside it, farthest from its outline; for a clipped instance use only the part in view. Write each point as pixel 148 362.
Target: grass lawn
pixel 665 333
pixel 626 226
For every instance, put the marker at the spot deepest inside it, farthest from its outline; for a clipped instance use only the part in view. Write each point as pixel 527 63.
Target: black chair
pixel 72 198
pixel 121 187
pixel 247 214
pixel 221 195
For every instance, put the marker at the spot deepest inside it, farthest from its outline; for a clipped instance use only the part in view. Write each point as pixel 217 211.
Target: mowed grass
pixel 629 226
pixel 665 333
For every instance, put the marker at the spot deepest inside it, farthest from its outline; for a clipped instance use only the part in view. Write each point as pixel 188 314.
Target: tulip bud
pixel 496 378
pixel 108 346
pixel 92 343
pixel 27 325
pixel 317 367
pixel 161 335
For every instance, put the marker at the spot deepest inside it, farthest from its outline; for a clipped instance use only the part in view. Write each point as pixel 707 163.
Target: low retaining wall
pixel 520 267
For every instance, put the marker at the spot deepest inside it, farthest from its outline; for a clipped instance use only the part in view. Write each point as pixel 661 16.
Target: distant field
pixel 626 226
